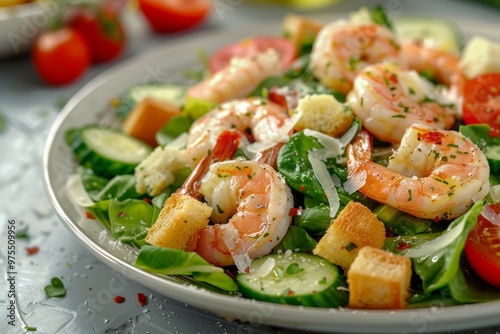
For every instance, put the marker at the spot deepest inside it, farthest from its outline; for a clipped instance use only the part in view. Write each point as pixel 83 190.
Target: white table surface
pixel 29 108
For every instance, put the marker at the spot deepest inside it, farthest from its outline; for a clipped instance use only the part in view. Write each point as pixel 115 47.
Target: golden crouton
pixel 355 227
pixel 300 30
pixel 379 280
pixel 178 223
pixel 148 117
pixel 323 113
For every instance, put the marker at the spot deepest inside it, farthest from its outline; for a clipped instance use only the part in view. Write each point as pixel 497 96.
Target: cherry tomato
pixel 103 31
pixel 174 15
pixel 61 56
pixel 251 46
pixel 483 248
pixel 482 101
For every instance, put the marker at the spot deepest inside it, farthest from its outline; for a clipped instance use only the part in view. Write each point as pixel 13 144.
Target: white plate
pixel 166 63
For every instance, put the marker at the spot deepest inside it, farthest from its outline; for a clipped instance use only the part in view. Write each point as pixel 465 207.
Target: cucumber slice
pixel 492 154
pixel 296 279
pixel 108 152
pixel 432 31
pixel 172 93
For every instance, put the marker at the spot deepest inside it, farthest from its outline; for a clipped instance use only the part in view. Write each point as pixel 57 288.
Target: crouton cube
pixel 379 280
pixel 300 30
pixel 355 227
pixel 148 117
pixel 179 221
pixel 323 113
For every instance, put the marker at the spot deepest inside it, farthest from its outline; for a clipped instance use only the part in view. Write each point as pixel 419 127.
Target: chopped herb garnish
pixel 293 268
pixel 56 288
pixel 30 328
pixel 409 195
pixel 350 246
pixel 219 209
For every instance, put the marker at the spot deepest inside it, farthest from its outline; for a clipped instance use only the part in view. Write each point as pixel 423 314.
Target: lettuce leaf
pixel 168 261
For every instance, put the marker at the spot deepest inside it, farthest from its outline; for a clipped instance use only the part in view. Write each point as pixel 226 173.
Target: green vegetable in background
pixel 174 127
pixel 168 261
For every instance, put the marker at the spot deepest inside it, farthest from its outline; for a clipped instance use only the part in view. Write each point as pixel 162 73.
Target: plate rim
pixel 347 320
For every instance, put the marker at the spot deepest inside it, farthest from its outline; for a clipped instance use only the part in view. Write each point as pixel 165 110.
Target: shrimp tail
pixel 225 147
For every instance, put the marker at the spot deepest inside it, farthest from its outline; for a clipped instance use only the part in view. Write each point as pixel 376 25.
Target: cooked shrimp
pixel 251 205
pixel 238 79
pixel 444 66
pixel 258 118
pixel 343 48
pixel 435 174
pixel 388 100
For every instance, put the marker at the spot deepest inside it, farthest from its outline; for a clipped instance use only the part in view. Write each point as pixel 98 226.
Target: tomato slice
pixel 483 248
pixel 174 15
pixel 482 101
pixel 251 46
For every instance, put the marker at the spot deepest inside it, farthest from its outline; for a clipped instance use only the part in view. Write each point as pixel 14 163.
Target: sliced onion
pixel 327 184
pixel 440 242
pixel 77 191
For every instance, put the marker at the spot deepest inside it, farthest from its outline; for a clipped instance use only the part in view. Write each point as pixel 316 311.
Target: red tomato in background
pixel 483 248
pixel 174 15
pixel 103 31
pixel 61 56
pixel 482 101
pixel 251 46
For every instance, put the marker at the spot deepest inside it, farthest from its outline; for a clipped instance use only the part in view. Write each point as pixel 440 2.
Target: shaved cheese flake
pixel 327 184
pixel 280 136
pixel 333 145
pixel 491 215
pixel 349 135
pixel 265 268
pixel 355 182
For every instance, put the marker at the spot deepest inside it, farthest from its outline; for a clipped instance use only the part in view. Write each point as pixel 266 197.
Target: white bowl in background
pixel 19 25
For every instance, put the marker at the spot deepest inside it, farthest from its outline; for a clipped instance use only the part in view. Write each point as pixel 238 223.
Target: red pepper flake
pixel 32 250
pixel 141 298
pixel 302 188
pixel 122 214
pixel 389 233
pixel 147 200
pixel 437 219
pixel 89 215
pixel 432 137
pixel 291 293
pixel 295 212
pixel 119 299
pixel 403 245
